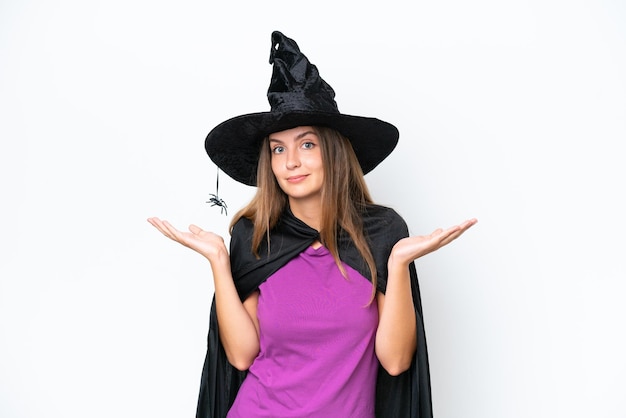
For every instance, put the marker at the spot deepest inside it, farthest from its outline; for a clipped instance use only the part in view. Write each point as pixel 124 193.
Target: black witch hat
pixel 298 96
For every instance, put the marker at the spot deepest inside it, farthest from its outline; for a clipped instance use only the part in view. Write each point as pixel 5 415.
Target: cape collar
pixel 382 227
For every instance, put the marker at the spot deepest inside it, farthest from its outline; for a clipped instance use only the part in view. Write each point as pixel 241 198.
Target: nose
pixel 293 159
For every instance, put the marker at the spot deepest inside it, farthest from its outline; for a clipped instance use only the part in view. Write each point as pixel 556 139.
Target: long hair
pixel 344 197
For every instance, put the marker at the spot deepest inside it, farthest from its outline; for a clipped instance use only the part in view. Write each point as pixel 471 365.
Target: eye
pixel 308 145
pixel 278 149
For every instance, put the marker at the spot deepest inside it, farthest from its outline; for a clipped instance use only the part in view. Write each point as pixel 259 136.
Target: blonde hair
pixel 344 197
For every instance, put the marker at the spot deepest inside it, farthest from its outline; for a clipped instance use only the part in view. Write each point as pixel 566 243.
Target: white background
pixel 511 112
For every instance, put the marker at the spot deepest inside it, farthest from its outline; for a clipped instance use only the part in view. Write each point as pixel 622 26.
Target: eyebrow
pixel 299 136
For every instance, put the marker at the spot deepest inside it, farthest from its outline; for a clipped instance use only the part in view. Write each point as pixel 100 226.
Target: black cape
pixel 404 396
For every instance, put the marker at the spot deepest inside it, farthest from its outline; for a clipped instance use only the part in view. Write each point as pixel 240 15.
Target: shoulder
pixel 382 211
pixel 377 217
pixel 242 225
pixel 241 234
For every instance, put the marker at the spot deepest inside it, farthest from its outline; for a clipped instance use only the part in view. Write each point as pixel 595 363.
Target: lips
pixel 296 179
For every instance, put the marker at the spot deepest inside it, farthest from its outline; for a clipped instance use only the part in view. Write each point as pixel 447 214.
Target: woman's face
pixel 297 163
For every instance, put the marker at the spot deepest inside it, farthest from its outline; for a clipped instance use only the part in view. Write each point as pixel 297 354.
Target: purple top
pixel 317 336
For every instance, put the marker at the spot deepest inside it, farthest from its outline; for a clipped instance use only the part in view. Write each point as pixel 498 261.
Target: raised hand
pixel 206 243
pixel 408 249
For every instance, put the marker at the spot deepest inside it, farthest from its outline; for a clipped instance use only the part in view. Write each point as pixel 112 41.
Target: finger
pixel 196 230
pixel 461 227
pixel 466 225
pixel 456 234
pixel 153 221
pixel 436 232
pixel 158 224
pixel 469 223
pixel 445 237
pixel 170 229
pixel 173 233
pixel 445 234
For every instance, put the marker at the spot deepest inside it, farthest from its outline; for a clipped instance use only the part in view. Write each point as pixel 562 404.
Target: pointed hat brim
pixel 234 145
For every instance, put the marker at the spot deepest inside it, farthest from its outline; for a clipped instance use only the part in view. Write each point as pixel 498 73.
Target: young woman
pixel 316 311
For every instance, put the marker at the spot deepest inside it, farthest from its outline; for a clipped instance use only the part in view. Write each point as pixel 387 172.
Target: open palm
pixel 410 248
pixel 206 243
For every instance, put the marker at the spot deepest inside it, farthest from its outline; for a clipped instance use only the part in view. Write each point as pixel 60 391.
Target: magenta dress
pixel 317 335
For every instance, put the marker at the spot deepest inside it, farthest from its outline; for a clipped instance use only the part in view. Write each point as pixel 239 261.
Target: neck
pixel 308 212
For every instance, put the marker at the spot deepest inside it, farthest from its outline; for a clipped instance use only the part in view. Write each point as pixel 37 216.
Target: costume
pixel 404 396
pixel 300 97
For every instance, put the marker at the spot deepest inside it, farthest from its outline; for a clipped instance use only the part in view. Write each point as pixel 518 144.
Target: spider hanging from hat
pixel 215 200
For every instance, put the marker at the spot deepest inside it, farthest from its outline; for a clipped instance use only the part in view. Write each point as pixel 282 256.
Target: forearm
pixel 237 329
pixel 396 337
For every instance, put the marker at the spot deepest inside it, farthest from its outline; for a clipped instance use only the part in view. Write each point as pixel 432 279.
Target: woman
pixel 317 308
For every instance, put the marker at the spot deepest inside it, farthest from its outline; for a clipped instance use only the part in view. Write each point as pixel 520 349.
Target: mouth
pixel 296 179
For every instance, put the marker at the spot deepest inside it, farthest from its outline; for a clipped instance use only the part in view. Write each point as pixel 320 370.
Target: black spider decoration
pixel 215 200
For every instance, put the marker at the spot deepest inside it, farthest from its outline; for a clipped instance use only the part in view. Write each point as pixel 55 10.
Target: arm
pixel 396 337
pixel 238 324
